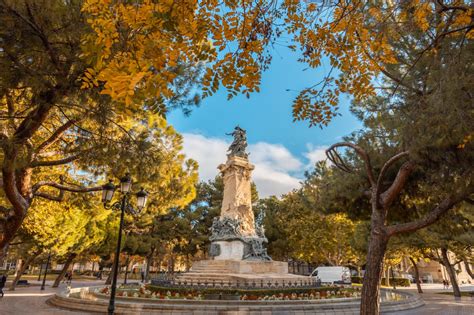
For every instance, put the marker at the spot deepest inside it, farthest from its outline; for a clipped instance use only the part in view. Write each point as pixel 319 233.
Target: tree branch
pixel 59 197
pixel 384 70
pixel 57 162
pixel 19 203
pixel 360 152
pixel 388 196
pixel 385 168
pixel 32 123
pixel 428 219
pixel 77 189
pixel 55 136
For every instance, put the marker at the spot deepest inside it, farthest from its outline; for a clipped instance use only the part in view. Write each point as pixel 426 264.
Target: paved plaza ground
pixel 31 300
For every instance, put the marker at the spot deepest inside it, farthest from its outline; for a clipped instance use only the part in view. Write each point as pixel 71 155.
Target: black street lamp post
pixel 46 270
pixel 124 206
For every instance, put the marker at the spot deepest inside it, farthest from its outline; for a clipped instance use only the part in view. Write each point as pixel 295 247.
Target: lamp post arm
pixel 115 206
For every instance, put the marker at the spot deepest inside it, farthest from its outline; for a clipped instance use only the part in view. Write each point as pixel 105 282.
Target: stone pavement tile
pixel 437 304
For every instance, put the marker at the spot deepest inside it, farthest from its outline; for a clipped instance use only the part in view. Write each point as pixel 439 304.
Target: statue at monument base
pixel 229 243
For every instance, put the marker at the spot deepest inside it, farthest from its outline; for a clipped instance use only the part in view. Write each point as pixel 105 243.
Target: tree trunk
pixel 68 262
pixel 8 233
pixel 20 270
pixel 387 276
pixel 109 277
pixel 108 281
pixel 188 262
pixel 392 274
pixel 451 272
pixel 417 275
pixel 127 262
pixel 171 264
pixel 3 252
pixel 468 269
pixel 149 261
pixel 370 300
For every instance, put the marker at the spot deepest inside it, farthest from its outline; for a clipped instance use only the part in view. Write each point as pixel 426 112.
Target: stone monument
pixel 234 234
pixel 237 249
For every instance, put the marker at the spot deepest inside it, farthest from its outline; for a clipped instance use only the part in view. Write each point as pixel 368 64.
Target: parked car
pixel 333 275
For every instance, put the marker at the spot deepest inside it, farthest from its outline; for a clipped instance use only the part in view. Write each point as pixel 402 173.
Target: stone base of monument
pixel 241 266
pixel 241 273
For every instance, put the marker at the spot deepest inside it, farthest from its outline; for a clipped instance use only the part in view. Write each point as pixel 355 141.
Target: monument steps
pixel 203 275
pixel 232 277
pixel 209 269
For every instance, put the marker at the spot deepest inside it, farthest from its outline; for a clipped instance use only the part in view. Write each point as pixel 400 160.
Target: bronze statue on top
pixel 238 146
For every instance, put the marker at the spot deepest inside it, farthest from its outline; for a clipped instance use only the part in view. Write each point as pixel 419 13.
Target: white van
pixel 335 274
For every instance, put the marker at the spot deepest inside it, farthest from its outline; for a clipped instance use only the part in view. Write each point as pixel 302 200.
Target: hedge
pixel 400 282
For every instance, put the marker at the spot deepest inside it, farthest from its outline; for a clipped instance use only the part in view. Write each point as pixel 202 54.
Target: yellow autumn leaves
pixel 135 47
pixel 363 39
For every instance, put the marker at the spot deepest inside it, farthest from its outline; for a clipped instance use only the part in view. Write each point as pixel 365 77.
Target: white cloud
pixel 273 162
pixel 208 152
pixel 274 155
pixel 273 182
pixel 314 154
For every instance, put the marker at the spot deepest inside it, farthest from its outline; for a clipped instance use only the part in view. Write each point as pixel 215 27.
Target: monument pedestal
pixel 243 266
pixel 233 250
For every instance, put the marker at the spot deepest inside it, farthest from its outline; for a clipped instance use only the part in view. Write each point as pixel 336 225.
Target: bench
pixel 22 282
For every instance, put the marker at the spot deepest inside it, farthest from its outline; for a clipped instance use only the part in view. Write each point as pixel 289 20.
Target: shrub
pixel 356 279
pixel 400 282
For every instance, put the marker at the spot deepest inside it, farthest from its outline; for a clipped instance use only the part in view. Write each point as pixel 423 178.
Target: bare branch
pixel 32 122
pixel 385 168
pixel 397 185
pixel 57 162
pixel 56 135
pixel 387 197
pixel 59 197
pixel 385 72
pixel 77 189
pixel 360 152
pixel 337 160
pixel 428 219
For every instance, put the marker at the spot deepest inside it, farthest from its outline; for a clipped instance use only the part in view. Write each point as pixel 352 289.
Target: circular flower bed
pixel 156 292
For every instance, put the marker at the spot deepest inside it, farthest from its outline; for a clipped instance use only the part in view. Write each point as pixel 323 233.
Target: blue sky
pixel 281 148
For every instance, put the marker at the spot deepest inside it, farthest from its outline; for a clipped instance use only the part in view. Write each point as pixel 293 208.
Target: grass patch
pixel 53 277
